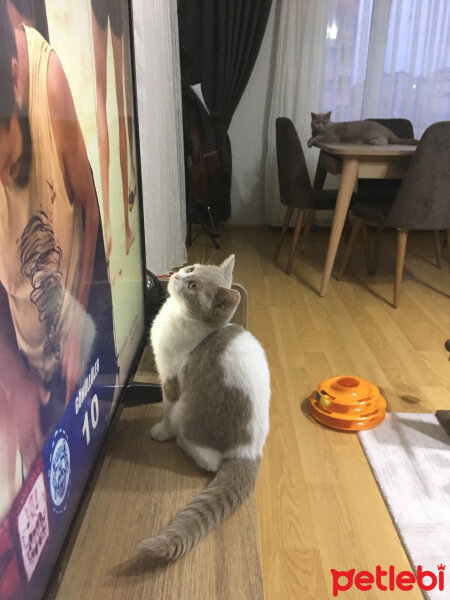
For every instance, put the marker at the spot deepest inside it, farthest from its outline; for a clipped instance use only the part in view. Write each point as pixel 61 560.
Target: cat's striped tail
pixel 227 491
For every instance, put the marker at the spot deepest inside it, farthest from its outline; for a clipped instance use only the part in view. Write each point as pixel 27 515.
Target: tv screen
pixel 71 268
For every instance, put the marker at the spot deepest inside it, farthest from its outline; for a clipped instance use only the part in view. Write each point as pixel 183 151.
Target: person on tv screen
pixel 51 251
pixel 111 12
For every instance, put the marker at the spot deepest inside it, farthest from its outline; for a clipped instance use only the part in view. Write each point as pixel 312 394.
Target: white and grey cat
pixel 216 393
pixel 323 129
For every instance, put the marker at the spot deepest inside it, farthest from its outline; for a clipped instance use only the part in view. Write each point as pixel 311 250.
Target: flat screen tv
pixel 71 265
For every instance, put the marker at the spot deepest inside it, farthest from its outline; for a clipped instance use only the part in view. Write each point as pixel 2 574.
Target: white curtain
pixel 160 132
pixel 297 84
pixel 359 59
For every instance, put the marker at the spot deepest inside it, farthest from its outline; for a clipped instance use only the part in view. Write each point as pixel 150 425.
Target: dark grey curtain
pixel 219 43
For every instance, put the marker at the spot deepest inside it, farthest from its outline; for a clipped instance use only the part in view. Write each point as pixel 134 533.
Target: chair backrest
pixel 401 127
pixel 293 176
pixel 423 201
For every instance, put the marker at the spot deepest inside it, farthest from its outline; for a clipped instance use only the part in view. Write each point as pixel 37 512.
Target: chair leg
pixel 287 219
pixel 365 241
pixel 351 242
pixel 347 227
pixel 402 238
pixel 309 220
pixel 298 227
pixel 447 237
pixel 437 245
pixel 376 251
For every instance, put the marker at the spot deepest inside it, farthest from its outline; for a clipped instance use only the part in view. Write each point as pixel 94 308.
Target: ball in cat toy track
pixel 323 398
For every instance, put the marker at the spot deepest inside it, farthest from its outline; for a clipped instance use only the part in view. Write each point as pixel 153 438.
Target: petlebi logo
pixel 388 579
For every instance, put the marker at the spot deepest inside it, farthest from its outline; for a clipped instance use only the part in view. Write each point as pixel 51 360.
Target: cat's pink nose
pixel 176 276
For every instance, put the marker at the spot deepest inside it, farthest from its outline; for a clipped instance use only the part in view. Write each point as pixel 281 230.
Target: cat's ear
pixel 313 116
pixel 328 114
pixel 225 302
pixel 227 268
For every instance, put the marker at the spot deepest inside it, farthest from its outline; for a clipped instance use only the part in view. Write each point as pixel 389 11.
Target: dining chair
pixel 422 202
pixel 296 191
pixel 402 128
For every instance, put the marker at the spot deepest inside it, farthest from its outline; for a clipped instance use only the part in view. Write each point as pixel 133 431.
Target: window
pixel 392 62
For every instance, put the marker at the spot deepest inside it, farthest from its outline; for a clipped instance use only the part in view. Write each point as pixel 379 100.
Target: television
pixel 71 265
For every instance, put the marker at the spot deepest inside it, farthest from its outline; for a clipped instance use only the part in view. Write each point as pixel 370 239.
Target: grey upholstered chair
pixel 296 191
pixel 388 188
pixel 401 127
pixel 422 202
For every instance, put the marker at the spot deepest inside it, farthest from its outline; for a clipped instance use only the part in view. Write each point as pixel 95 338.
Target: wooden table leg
pixel 348 179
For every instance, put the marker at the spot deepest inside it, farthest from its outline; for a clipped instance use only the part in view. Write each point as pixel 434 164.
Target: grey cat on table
pixel 323 129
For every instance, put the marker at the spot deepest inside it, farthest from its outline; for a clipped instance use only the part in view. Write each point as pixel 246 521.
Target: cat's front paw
pixel 160 432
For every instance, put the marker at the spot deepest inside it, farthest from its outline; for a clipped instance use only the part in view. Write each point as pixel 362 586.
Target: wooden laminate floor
pixel 318 504
pixel 140 485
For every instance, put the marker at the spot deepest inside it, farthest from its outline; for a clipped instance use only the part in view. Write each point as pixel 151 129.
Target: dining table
pixel 352 162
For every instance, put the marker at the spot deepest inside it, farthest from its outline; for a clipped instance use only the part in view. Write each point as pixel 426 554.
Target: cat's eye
pixel 189 270
pixel 192 285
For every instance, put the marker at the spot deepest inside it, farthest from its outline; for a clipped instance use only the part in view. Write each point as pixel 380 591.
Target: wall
pixel 248 134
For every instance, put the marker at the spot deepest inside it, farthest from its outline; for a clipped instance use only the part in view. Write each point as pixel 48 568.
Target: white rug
pixel 409 455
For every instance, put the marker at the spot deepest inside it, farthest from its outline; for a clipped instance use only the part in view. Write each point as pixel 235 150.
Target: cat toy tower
pixel 347 403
